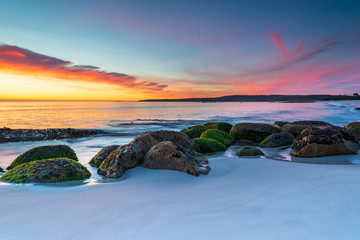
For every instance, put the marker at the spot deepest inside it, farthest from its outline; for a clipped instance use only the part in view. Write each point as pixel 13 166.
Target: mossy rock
pixel 100 156
pixel 249 151
pixel 194 131
pixel 44 152
pixel 280 123
pixel 256 132
pixel 207 145
pixel 222 126
pixel 312 123
pixel 218 135
pixel 354 129
pixel 47 171
pixel 277 140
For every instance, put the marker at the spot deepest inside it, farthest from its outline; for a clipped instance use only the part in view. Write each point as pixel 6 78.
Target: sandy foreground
pixel 247 198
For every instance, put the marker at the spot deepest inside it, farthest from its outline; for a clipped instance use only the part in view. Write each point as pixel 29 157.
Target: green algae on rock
pixel 280 123
pixel 47 171
pixel 100 156
pixel 222 126
pixel 218 135
pixel 277 140
pixel 354 129
pixel 44 152
pixel 194 131
pixel 207 145
pixel 249 151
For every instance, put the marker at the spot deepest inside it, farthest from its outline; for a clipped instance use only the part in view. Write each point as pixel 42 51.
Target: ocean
pixel 128 119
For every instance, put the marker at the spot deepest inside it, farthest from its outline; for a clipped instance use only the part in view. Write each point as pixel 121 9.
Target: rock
pixel 222 126
pixel 47 171
pixel 249 151
pixel 295 128
pixel 177 138
pixel 358 108
pixel 252 131
pixel 354 129
pixel 218 135
pixel 280 123
pixel 324 141
pixel 167 155
pixel 277 139
pixel 132 154
pixel 1 169
pixel 206 145
pixel 44 152
pixel 100 156
pixel 127 156
pixel 20 135
pixel 245 143
pixel 194 131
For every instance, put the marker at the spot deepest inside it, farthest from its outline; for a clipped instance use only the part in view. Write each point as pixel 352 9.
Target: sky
pixel 143 49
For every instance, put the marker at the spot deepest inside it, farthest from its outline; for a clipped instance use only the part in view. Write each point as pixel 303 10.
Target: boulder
pixel 194 131
pixel 252 131
pixel 358 108
pixel 249 151
pixel 132 154
pixel 1 169
pixel 295 128
pixel 277 139
pixel 324 141
pixel 47 171
pixel 354 129
pixel 167 155
pixel 280 123
pixel 245 143
pixel 127 156
pixel 44 152
pixel 100 156
pixel 222 126
pixel 207 145
pixel 218 135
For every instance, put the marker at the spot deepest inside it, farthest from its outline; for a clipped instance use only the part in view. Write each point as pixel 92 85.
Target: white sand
pixel 239 199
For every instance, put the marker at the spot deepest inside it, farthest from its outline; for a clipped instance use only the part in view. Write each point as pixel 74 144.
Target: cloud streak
pixel 21 61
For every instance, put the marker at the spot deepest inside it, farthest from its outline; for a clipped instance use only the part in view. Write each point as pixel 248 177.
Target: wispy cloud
pixel 17 60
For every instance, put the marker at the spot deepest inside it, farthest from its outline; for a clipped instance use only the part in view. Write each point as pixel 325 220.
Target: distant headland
pixel 263 98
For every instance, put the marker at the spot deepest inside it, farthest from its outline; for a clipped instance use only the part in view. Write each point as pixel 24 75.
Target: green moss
pixel 218 135
pixel 44 152
pixel 101 155
pixel 47 171
pixel 194 131
pixel 204 145
pixel 280 123
pixel 222 126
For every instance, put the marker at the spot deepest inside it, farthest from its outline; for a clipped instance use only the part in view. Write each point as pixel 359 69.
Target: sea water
pixel 128 119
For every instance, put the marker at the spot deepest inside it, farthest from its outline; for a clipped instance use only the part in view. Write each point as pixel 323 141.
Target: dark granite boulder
pixel 252 131
pixel 167 155
pixel 278 139
pixel 249 151
pixel 44 152
pixel 295 128
pixel 100 156
pixel 354 129
pixel 245 143
pixel 324 141
pixel 47 171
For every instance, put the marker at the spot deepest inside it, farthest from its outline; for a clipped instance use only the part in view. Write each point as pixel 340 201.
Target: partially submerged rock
pixel 295 128
pixel 47 171
pixel 354 129
pixel 249 151
pixel 1 169
pixel 252 131
pixel 20 135
pixel 245 143
pixel 324 141
pixel 222 126
pixel 44 152
pixel 280 123
pixel 277 140
pixel 167 155
pixel 207 145
pixel 218 135
pixel 194 131
pixel 100 156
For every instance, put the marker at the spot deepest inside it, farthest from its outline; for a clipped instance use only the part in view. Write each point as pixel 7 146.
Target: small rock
pixel 1 169
pixel 278 139
pixel 354 129
pixel 100 156
pixel 249 151
pixel 194 131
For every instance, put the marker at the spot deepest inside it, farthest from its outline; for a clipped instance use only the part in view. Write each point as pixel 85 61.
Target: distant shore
pixel 263 98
